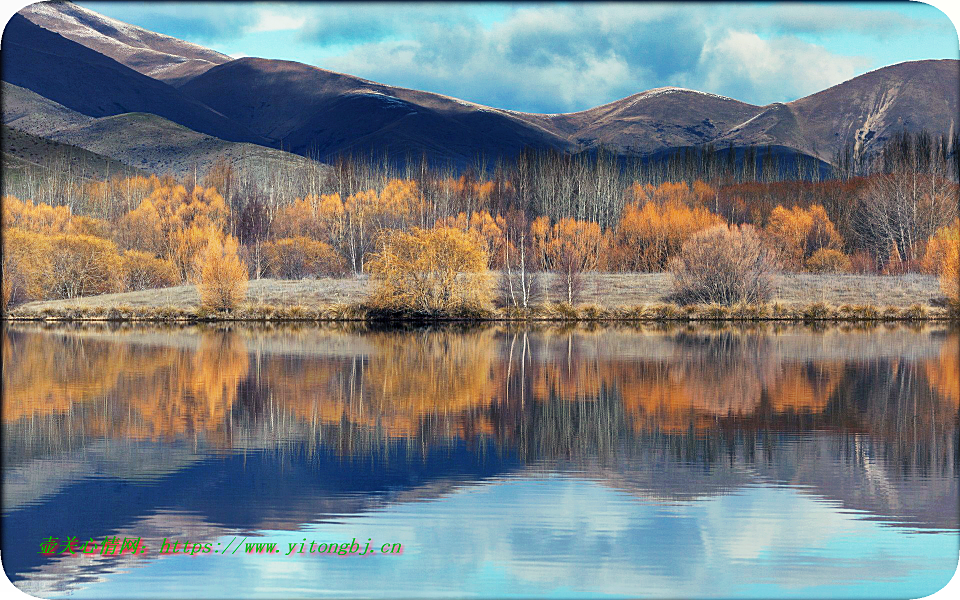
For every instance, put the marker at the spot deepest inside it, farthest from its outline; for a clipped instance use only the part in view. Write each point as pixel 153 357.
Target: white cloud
pixel 743 63
pixel 269 20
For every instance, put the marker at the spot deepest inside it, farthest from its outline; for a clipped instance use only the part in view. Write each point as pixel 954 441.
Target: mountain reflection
pixel 334 420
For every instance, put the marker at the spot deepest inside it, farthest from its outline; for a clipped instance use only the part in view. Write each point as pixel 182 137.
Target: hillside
pixel 135 140
pixel 156 145
pixel 28 111
pixel 651 121
pixel 154 54
pixel 26 156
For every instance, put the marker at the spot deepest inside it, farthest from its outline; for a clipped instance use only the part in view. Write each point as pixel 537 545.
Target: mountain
pixel 137 140
pixel 651 121
pixel 153 54
pixel 864 111
pixel 309 110
pixel 95 85
pixel 319 113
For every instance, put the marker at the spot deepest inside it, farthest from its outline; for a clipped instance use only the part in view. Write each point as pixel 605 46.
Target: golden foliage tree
pixel 438 269
pixel 828 260
pixel 568 248
pixel 649 236
pixel 797 233
pixel 220 274
pixel 26 265
pixel 83 265
pixel 943 258
pixel 489 228
pixel 39 217
pixel 300 257
pixel 143 271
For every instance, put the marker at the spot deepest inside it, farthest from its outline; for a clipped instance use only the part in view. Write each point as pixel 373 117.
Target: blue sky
pixel 570 56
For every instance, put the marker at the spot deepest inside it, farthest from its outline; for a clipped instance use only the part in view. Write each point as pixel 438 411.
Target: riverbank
pixel 606 297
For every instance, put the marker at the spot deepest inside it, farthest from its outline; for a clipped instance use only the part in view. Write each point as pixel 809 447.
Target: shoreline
pixel 660 312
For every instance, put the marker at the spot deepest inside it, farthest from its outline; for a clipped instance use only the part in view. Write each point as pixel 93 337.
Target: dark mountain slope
pixel 311 110
pixel 95 85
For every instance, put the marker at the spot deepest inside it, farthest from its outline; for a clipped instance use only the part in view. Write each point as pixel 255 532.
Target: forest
pixel 436 238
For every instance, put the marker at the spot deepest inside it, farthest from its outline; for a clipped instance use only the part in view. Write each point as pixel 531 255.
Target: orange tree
pixel 430 270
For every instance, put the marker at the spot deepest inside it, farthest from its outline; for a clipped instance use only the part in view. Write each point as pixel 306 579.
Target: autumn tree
pixel 83 265
pixel 220 275
pixel 648 236
pixel 437 269
pixel 943 258
pixel 26 265
pixel 798 233
pixel 143 271
pixel 568 248
pixel 300 257
pixel 828 260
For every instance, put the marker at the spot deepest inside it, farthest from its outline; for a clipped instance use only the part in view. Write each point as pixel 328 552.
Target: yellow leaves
pixel 574 244
pixel 649 236
pixel 797 233
pixel 142 229
pixel 299 257
pixel 26 265
pixel 40 217
pixel 143 271
pixel 222 275
pixel 90 226
pixel 186 247
pixel 83 265
pixel 943 257
pixel 488 228
pixel 434 269
pixel 828 260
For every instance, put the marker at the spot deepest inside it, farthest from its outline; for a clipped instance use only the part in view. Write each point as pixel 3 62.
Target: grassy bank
pixel 640 297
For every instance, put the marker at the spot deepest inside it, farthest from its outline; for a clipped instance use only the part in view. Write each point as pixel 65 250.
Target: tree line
pixel 544 212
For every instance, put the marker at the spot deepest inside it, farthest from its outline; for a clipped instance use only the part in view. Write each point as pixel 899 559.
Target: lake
pixel 554 461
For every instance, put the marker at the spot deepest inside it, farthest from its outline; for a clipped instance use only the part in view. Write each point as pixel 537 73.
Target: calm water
pixel 562 462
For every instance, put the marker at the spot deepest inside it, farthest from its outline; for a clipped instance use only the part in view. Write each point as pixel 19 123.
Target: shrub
pixel 222 275
pixel 143 271
pixel 299 257
pixel 438 269
pixel 828 260
pixel 723 265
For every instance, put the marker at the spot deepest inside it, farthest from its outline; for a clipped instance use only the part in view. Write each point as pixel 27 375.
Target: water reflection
pixel 204 432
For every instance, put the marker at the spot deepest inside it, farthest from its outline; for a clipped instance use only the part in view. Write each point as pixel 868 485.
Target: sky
pixel 564 57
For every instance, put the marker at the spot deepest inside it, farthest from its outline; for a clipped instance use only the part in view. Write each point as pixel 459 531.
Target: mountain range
pixel 90 73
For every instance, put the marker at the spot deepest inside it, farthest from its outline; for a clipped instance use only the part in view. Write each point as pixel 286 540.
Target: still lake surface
pixel 661 461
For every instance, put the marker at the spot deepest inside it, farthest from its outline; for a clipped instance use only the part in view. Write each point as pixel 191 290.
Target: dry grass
pixel 618 290
pixel 606 296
